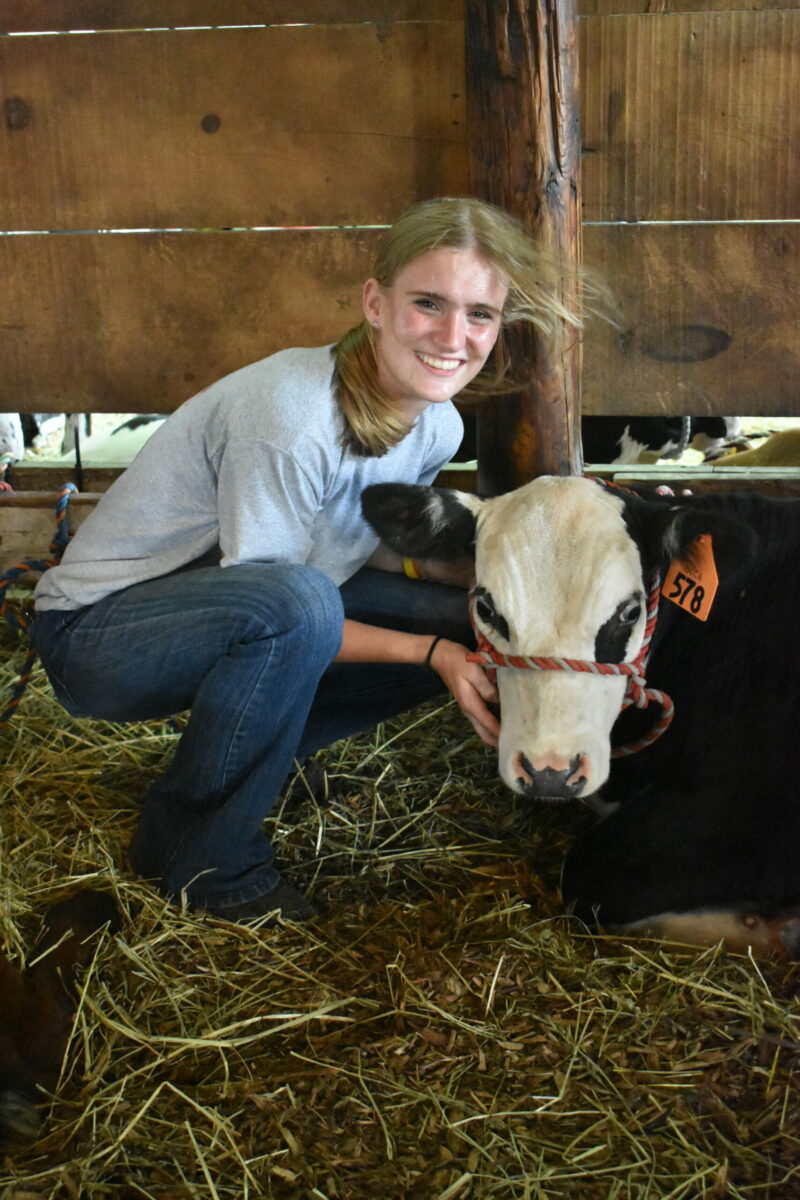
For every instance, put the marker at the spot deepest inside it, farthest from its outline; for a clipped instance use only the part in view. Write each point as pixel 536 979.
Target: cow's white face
pixel 558 575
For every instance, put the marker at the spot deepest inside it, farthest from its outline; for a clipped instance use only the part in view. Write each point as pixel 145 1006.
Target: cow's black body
pixel 623 439
pixel 703 840
pixel 710 814
pixel 605 439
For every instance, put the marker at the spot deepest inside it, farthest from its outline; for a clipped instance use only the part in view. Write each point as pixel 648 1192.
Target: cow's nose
pixel 550 782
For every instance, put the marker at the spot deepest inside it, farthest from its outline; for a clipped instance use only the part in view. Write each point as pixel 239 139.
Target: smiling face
pixel 435 326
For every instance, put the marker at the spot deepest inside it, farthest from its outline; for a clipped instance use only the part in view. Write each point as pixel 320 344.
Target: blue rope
pixel 18 618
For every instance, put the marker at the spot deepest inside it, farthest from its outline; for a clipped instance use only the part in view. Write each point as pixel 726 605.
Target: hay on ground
pixel 441 1031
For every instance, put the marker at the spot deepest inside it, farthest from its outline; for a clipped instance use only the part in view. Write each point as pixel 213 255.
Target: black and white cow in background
pixel 37 426
pixel 633 439
pixel 21 431
pixel 703 840
pixel 119 446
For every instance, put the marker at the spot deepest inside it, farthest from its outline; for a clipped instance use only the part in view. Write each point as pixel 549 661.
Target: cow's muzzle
pixel 550 782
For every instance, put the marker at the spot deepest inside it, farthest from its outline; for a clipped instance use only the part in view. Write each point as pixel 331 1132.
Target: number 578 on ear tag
pixel 691 582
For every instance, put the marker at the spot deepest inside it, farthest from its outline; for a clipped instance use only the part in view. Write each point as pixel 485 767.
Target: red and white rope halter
pixel 637 692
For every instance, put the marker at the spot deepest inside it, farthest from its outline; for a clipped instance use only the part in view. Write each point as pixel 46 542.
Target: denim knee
pixel 143 652
pixel 273 599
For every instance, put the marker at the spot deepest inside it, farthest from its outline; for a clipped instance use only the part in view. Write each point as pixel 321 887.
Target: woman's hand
pixel 466 681
pixel 469 686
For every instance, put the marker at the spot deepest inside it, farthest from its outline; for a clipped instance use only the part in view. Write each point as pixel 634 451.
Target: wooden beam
pixel 522 103
pixel 28 520
pixel 28 523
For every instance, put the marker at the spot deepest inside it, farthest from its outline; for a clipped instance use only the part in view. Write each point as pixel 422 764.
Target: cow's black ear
pixel 676 527
pixel 422 522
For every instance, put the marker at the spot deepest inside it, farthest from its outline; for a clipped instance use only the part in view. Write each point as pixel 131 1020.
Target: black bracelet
pixel 431 649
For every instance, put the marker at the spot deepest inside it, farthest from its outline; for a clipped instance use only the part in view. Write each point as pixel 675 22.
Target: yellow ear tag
pixel 692 582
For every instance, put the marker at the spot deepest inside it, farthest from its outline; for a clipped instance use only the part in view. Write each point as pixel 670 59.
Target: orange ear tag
pixel 692 582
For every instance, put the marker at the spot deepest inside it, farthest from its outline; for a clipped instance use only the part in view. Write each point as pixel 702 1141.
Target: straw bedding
pixel 441 1031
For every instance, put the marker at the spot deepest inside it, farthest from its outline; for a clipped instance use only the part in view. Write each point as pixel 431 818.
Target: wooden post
pixel 522 88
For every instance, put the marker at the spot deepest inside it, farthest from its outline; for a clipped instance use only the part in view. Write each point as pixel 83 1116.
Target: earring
pixel 376 324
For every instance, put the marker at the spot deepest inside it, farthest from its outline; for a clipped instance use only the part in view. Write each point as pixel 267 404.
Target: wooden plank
pixel 28 523
pixel 691 117
pixel 46 15
pixel 139 322
pixel 608 8
pixel 524 155
pixel 27 518
pixel 680 472
pixel 708 323
pixel 684 117
pixel 324 125
pixel 27 16
pixel 775 481
pixel 47 477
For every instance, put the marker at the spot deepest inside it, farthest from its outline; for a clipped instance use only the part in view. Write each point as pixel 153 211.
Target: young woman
pixel 229 571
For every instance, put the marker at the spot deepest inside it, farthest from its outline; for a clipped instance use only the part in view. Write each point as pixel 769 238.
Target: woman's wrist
pixel 429 656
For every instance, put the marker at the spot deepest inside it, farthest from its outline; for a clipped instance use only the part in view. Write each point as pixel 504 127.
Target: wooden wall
pixel 691 129
pixel 225 142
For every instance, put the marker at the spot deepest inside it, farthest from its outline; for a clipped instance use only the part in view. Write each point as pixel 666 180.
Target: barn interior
pixel 181 195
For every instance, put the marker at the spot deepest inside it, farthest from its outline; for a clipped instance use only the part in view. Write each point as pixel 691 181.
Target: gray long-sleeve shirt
pixel 255 465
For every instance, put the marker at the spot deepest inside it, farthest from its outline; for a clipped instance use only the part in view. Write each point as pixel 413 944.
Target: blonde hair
pixel 534 281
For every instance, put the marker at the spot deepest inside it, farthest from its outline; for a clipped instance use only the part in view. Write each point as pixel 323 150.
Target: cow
pixel 633 439
pixel 779 449
pixel 581 587
pixel 119 446
pixel 12 445
pixel 20 432
pixel 37 1007
pixel 643 439
pixel 38 426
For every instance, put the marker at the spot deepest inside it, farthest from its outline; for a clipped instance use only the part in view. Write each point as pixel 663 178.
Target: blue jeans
pixel 248 649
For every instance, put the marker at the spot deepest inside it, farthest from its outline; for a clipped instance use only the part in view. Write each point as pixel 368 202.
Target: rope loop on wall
pixel 19 615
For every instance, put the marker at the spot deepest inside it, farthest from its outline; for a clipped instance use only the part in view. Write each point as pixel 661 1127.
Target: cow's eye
pixel 613 636
pixel 630 612
pixel 485 609
pixel 486 612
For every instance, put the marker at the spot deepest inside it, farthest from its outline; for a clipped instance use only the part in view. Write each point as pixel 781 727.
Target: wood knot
pixel 16 112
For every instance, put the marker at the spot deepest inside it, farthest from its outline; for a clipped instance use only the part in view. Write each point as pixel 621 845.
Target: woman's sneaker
pixel 283 902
